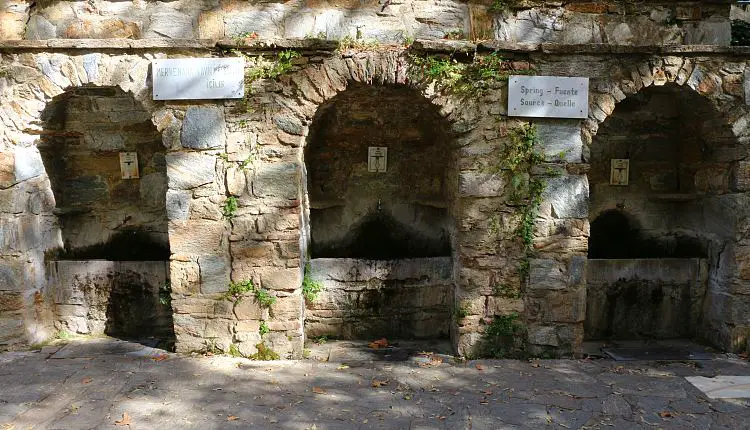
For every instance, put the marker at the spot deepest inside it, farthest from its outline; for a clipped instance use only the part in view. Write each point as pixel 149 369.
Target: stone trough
pixel 658 298
pixel 368 299
pixel 117 298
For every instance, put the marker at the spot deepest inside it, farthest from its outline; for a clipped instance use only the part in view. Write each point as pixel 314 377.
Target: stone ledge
pixel 446 46
pixel 105 44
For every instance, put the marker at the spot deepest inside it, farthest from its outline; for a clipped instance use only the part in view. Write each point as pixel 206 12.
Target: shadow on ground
pixel 92 384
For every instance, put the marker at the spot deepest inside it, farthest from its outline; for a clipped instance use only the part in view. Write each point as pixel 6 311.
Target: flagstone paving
pixel 107 383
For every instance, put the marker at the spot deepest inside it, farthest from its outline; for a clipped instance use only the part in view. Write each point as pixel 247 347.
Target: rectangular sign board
pixel 129 165
pixel 548 96
pixel 377 159
pixel 198 78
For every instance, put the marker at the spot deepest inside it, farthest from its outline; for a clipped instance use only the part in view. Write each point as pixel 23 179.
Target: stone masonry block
pixel 560 141
pixel 203 128
pixel 568 196
pixel 214 270
pixel 187 170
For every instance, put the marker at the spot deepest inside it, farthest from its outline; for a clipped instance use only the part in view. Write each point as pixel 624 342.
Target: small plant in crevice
pixel 237 290
pixel 454 35
pixel 320 340
pixel 461 311
pixel 505 290
pixel 234 350
pixel 264 298
pixel 359 44
pixel 310 288
pixel 165 295
pixel 504 337
pixel 63 335
pixel 500 6
pixel 263 329
pixel 210 347
pixel 466 78
pixel 264 353
pixel 229 208
pixel 259 67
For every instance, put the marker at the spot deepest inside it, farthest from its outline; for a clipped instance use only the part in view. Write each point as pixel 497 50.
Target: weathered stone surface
pixel 709 32
pixel 170 23
pixel 248 309
pixel 543 335
pixel 568 196
pixel 545 274
pixel 560 141
pixel 236 181
pixel 178 204
pixel 289 124
pixel 477 184
pixel 28 163
pixel 187 170
pixel 7 169
pixel 196 236
pixel 214 272
pixel 203 128
pixel 277 180
pixel 153 189
pixel 39 28
pixel 281 279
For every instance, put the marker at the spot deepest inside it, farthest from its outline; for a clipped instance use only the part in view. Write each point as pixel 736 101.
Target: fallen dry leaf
pixel 380 343
pixel 377 383
pixel 480 367
pixel 318 390
pixel 341 367
pixel 160 357
pixel 232 418
pixel 665 414
pixel 87 380
pixel 486 392
pixel 125 421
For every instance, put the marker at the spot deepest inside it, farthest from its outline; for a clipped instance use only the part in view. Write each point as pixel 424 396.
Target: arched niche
pixel 658 242
pixel 383 239
pixel 111 274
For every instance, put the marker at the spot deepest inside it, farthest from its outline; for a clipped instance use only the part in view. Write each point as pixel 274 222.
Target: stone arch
pixel 319 84
pixel 36 80
pixel 709 225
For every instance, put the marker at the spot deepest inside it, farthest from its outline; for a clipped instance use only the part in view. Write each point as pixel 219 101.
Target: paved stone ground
pixel 92 384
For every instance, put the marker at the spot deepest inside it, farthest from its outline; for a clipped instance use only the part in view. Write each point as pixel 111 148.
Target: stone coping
pixel 435 46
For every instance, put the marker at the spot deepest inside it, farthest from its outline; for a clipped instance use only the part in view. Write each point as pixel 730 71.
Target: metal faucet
pixel 380 205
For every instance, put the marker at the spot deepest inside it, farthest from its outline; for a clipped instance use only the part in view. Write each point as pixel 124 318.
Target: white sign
pixel 548 96
pixel 198 78
pixel 619 172
pixel 377 159
pixel 129 165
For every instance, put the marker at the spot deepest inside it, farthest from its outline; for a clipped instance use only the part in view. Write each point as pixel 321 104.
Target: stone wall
pixel 619 23
pixel 253 150
pixel 370 299
pixel 572 22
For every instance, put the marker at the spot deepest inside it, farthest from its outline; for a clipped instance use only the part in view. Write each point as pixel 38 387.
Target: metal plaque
pixel 129 165
pixel 198 78
pixel 377 159
pixel 620 171
pixel 548 96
